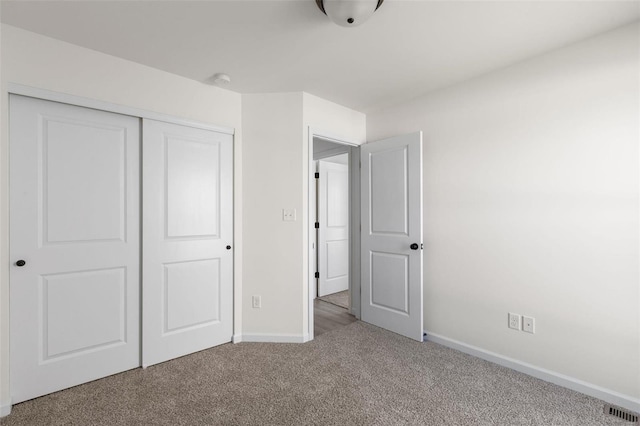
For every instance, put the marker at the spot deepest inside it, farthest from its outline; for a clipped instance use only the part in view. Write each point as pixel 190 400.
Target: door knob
pixel 228 247
pixel 414 246
pixel 21 263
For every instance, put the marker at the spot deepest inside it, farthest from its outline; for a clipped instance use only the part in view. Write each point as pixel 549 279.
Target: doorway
pixel 334 299
pixel 385 218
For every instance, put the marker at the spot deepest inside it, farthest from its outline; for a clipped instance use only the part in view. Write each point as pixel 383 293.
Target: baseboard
pixel 607 395
pixel 275 338
pixel 5 408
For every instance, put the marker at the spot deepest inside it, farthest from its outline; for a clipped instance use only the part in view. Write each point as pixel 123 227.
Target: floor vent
pixel 621 413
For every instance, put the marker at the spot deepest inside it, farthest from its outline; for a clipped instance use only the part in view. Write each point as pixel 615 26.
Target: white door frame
pixel 64 98
pixel 354 214
pixel 49 95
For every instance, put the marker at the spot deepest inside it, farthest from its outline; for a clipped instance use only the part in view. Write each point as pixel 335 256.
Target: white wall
pixel 531 206
pixel 323 148
pixel 338 159
pixel 272 162
pixel 276 170
pixel 334 120
pixel 45 63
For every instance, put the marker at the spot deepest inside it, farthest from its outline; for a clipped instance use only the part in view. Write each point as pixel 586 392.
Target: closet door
pixel 74 245
pixel 187 240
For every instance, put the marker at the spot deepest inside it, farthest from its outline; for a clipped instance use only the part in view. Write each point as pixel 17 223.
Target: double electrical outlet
pixel 520 322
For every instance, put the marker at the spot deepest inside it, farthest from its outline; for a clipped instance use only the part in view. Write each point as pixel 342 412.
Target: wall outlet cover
pixel 514 321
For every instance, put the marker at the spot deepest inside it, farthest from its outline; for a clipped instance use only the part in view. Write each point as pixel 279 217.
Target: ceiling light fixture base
pixel 349 13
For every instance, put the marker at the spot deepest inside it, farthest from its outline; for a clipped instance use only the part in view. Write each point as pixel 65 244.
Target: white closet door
pixel 391 179
pixel 333 202
pixel 187 238
pixel 74 213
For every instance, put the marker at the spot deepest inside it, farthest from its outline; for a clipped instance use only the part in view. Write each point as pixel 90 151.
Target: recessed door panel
pixel 74 221
pixel 84 166
pixel 96 319
pixel 192 294
pixel 187 227
pixel 193 188
pixel 390 282
pixel 337 203
pixel 388 191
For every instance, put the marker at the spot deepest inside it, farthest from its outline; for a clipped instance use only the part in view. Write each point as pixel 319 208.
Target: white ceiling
pixel 407 48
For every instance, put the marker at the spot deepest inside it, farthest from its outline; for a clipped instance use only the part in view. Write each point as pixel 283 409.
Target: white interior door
pixel 391 179
pixel 187 239
pixel 333 217
pixel 74 213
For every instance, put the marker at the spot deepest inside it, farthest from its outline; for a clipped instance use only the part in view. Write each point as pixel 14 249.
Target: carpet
pixel 356 375
pixel 339 299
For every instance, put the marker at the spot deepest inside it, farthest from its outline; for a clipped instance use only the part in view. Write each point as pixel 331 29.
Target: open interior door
pixel 333 219
pixel 391 218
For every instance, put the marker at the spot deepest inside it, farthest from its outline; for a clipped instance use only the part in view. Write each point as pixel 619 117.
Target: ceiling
pixel 406 49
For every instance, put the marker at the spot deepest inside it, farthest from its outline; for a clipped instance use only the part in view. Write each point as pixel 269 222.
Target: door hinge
pixel 317 225
pixel 317 175
pixel 317 275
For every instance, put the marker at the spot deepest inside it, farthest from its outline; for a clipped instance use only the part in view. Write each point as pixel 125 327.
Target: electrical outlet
pixel 289 215
pixel 257 302
pixel 514 321
pixel 529 324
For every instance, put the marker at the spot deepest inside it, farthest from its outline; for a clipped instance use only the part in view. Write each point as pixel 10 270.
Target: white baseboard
pixel 275 338
pixel 5 408
pixel 607 395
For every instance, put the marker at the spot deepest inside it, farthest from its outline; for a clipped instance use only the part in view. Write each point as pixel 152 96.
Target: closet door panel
pixel 187 239
pixel 74 245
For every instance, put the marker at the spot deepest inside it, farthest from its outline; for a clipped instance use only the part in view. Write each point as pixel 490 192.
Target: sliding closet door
pixel 74 245
pixel 187 240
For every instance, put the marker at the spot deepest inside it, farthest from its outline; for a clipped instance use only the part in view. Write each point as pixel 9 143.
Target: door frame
pixel 65 98
pixel 354 222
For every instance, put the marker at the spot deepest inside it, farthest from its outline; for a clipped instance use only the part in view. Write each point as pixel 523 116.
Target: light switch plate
pixel 289 215
pixel 256 302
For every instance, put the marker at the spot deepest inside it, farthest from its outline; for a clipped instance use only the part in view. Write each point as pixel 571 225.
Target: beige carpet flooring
pixel 356 375
pixel 340 298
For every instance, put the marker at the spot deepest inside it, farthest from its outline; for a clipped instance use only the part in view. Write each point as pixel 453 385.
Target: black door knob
pixel 228 247
pixel 414 246
pixel 21 263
